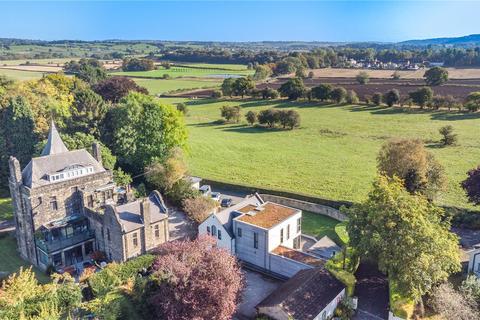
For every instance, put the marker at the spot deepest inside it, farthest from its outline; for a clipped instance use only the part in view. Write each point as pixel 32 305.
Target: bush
pixel 216 94
pixel 269 93
pixel 448 137
pixel 377 98
pixel 182 189
pixel 251 117
pixel 199 208
pixel 165 76
pixel 345 309
pixel 268 117
pixel 362 77
pixel 182 107
pixel 392 97
pixel 134 64
pixel 352 97
pixel 338 94
pixel 322 92
pixel 422 96
pixel 289 118
pixel 231 114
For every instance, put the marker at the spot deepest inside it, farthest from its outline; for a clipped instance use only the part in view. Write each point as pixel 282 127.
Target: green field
pixel 11 261
pixel 332 155
pixel 20 74
pixel 157 86
pixel 176 72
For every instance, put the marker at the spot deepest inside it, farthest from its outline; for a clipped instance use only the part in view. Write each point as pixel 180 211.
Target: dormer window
pixel 72 171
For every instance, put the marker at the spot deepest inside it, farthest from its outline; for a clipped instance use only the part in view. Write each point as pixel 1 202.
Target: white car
pixel 216 196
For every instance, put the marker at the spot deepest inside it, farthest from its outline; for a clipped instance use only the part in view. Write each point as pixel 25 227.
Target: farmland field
pixel 454 73
pixel 20 74
pixel 332 155
pixel 159 86
pixel 175 72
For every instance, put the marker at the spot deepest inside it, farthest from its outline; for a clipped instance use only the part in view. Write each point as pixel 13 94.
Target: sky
pixel 339 21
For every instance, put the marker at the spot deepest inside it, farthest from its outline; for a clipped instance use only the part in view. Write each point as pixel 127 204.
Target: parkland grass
pixel 20 74
pixel 333 153
pixel 185 71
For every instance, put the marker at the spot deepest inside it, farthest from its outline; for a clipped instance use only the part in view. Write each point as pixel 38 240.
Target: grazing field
pixel 11 261
pixel 160 86
pixel 197 72
pixel 332 155
pixel 20 75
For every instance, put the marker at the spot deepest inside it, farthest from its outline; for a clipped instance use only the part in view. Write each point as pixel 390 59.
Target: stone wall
pixel 306 206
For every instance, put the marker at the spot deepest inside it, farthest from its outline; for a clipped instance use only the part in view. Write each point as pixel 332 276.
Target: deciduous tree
pixel 391 97
pixel 198 208
pixel 471 185
pixel 422 96
pixel 362 77
pixel 163 175
pixel 115 88
pixel 231 114
pixel 198 281
pixel 338 95
pixel 436 76
pixel 406 234
pixel 251 117
pixel 448 137
pixel 293 89
pixel 322 92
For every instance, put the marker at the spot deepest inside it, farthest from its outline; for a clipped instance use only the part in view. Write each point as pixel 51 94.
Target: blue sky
pixel 239 20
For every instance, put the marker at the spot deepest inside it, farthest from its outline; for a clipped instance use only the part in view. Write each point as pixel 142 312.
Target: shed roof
pixel 306 294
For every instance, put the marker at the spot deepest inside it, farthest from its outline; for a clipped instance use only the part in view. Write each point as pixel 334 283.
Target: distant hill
pixel 470 40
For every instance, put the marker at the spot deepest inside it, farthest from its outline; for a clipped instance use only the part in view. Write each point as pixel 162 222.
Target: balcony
pixel 58 244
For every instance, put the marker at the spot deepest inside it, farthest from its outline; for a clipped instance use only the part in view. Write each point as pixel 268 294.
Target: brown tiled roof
pixel 306 294
pixel 298 256
pixel 269 215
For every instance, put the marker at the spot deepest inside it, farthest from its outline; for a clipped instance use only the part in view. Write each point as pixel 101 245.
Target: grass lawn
pixel 11 262
pixel 237 67
pixel 175 72
pixel 162 86
pixel 332 155
pixel 319 226
pixel 6 209
pixel 20 74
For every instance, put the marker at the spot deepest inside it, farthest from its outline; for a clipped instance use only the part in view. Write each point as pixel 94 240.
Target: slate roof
pixel 131 218
pixel 306 294
pixel 324 247
pixel 55 157
pixel 227 215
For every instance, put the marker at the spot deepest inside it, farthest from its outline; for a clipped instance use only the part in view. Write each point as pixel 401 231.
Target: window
pixel 281 235
pixel 157 231
pixel 90 201
pixel 53 203
pixel 214 231
pixel 255 240
pixel 108 234
pixel 239 231
pixel 288 232
pixel 299 224
pixel 208 230
pixel 219 234
pixel 135 240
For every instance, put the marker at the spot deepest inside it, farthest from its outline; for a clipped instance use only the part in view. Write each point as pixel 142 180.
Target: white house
pixel 474 261
pixel 263 235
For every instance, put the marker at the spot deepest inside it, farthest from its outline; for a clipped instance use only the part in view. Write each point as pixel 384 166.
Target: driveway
pixel 257 288
pixel 372 292
pixel 180 227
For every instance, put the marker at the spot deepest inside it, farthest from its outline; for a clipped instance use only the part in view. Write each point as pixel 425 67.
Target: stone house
pixel 66 206
pixel 263 235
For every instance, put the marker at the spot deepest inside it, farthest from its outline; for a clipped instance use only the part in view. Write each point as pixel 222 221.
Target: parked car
pixel 216 196
pixel 205 190
pixel 226 202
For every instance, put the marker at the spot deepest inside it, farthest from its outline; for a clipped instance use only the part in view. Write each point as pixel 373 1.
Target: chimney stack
pixel 97 154
pixel 15 171
pixel 147 228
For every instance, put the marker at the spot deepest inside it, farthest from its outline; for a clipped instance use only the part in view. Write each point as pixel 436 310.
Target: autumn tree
pixel 197 280
pixel 436 76
pixel 452 304
pixel 262 72
pixel 89 70
pixel 409 160
pixel 198 208
pixel 141 130
pixel 115 88
pixel 163 175
pixel 471 185
pixel 406 234
pixel 352 97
